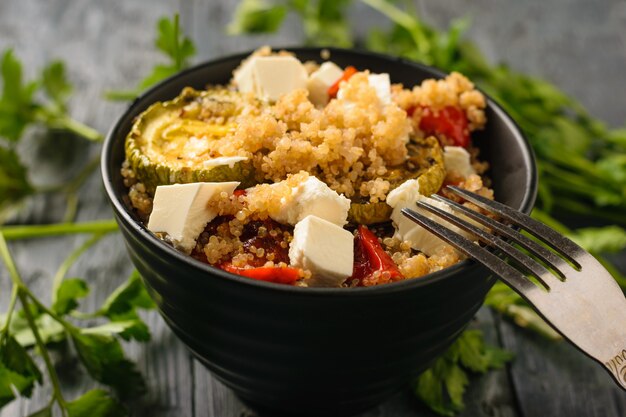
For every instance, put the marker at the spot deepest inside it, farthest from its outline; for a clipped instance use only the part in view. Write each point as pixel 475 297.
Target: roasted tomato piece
pixel 267 241
pixel 347 73
pixel 280 275
pixel 372 265
pixel 449 121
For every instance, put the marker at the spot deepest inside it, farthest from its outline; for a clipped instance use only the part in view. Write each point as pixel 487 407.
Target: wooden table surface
pixel 579 45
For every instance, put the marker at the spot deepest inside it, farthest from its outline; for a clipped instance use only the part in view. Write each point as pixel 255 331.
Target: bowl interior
pixel 512 166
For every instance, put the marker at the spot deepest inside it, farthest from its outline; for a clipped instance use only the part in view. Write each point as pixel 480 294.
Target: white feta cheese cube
pixel 269 77
pixel 382 85
pixel 456 158
pixel 245 78
pixel 181 210
pixel 319 82
pixel 406 195
pixel 314 197
pixel 325 249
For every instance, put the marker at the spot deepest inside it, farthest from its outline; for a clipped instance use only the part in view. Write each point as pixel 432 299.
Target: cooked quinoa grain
pixel 356 144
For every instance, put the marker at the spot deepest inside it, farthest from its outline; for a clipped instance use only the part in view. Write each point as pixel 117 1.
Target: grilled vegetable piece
pixel 425 162
pixel 168 142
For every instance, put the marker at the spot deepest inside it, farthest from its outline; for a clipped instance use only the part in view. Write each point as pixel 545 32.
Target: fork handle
pixel 617 368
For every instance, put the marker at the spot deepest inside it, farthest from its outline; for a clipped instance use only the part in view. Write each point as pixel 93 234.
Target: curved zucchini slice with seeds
pixel 168 142
pixel 425 163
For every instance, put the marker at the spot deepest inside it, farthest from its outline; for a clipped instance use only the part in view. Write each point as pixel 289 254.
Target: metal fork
pixel 576 296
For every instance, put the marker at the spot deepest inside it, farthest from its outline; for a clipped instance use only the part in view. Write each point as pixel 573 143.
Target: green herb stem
pixel 9 315
pixel 57 229
pixel 82 176
pixel 22 287
pixel 404 19
pixel 177 57
pixel 572 206
pixel 81 129
pixel 71 207
pixel 121 95
pixel 54 378
pixel 70 260
pixel 53 117
pixel 73 186
pixel 22 291
pixel 550 221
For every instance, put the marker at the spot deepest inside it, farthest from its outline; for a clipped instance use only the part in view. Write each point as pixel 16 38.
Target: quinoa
pixel 350 144
pixel 351 141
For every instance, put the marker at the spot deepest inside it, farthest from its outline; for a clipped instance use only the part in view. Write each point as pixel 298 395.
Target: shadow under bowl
pixel 314 351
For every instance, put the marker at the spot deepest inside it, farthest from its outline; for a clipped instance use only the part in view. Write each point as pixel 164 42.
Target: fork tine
pixel 505 271
pixel 550 258
pixel 525 262
pixel 559 242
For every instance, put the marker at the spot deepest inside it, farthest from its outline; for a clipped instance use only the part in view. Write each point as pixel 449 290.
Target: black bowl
pixel 316 351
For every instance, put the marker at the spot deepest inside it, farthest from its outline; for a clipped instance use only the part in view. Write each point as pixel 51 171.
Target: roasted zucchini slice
pixel 425 163
pixel 168 142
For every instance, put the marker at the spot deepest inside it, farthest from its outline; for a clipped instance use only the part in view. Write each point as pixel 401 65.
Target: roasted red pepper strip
pixel 449 121
pixel 369 257
pixel 280 275
pixel 347 73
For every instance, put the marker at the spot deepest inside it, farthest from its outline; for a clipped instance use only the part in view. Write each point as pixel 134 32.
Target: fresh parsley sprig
pixel 42 101
pixel 178 49
pixel 97 347
pixel 323 21
pixel 21 107
pixel 442 386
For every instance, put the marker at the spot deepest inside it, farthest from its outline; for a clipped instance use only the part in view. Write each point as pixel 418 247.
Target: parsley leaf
pixel 257 16
pixel 17 370
pixel 68 293
pixel 49 329
pixel 178 48
pixel 14 183
pixel 104 359
pixel 130 295
pixel 324 21
pixel 55 83
pixel 16 100
pixel 173 43
pixel 95 403
pixel 19 106
pixel 600 239
pixel 441 387
pixel 123 303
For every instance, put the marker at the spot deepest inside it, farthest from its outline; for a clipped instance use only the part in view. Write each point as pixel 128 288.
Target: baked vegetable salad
pixel 296 173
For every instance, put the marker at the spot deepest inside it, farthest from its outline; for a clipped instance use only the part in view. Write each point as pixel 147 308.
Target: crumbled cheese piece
pixel 457 159
pixel 269 77
pixel 244 76
pixel 319 82
pixel 406 195
pixel 223 160
pixel 181 210
pixel 314 197
pixel 325 249
pixel 382 85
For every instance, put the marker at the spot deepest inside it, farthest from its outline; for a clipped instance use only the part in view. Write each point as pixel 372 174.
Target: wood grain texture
pixel 109 45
